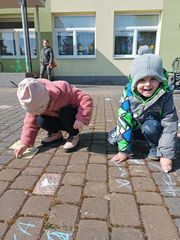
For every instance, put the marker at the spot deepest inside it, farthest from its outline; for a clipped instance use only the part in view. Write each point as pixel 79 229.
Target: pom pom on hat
pixel 144 50
pixel 33 96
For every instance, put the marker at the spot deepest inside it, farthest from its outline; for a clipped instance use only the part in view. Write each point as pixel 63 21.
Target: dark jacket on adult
pixel 46 56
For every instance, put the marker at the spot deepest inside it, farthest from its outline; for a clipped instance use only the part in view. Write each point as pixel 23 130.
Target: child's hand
pixel 78 125
pixel 166 163
pixel 19 151
pixel 121 157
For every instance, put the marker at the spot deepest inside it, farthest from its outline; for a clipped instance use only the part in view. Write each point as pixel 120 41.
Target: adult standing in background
pixel 46 59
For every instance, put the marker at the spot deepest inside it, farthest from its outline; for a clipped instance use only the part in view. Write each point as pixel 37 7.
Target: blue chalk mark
pixel 25 224
pixel 15 238
pixel 107 99
pixel 52 184
pixel 60 235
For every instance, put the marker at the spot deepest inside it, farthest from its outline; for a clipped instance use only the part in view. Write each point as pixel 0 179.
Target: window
pixel 12 39
pixel 133 31
pixel 74 36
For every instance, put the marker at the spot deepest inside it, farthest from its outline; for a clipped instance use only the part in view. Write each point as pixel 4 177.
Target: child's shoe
pixel 153 154
pixel 52 138
pixel 71 144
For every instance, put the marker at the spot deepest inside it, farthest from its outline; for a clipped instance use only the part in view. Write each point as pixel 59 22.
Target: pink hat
pixel 33 96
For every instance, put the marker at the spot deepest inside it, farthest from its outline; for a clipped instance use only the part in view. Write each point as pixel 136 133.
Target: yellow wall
pixel 104 64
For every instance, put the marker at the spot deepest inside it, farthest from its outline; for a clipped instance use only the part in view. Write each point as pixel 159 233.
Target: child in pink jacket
pixel 53 106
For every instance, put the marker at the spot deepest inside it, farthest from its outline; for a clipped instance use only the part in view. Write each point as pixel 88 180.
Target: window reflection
pixel 65 43
pixel 7 44
pixel 85 43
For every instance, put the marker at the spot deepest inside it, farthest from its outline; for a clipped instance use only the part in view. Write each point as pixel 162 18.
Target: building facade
pixel 93 41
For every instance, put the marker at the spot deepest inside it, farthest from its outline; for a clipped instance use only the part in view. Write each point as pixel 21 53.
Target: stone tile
pixel 157 223
pixel 92 229
pixel 94 208
pixel 155 166
pixel 3 228
pixel 127 234
pixel 5 159
pixel 18 163
pixel 173 205
pixel 8 152
pixel 101 142
pixel 69 194
pixel 170 190
pixel 55 169
pixel 24 182
pixel 63 214
pixel 95 189
pixel 46 149
pixel 60 152
pixel 32 171
pixel 118 172
pixel 73 179
pixel 79 158
pixel 76 168
pixel 123 210
pixel 121 164
pixel 119 185
pixel 40 160
pixel 143 184
pixel 8 207
pixel 33 227
pixel 135 170
pixel 135 161
pixel 98 149
pixel 96 172
pixel 9 174
pixel 148 198
pixel 59 161
pixel 177 222
pixel 36 206
pixel 97 159
pixel 3 186
pixel 163 179
pixel 62 233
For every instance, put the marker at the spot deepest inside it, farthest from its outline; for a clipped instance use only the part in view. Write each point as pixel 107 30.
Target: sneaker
pixel 52 138
pixel 71 144
pixel 153 154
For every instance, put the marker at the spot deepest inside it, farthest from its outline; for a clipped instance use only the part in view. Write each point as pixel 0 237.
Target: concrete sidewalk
pixel 83 195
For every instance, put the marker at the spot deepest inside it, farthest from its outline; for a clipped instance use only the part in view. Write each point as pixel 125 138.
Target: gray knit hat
pixel 146 65
pixel 144 50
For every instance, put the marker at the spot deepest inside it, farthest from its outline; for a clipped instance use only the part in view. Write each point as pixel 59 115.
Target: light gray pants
pixel 43 69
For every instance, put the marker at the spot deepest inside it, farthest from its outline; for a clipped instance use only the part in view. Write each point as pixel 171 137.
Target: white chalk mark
pixel 123 183
pixel 120 169
pixel 169 188
pixel 136 161
pixel 45 183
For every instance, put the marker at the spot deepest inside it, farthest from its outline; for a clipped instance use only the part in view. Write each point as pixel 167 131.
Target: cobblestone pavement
pixel 91 197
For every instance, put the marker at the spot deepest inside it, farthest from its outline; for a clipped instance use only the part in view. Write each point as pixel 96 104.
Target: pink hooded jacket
pixel 62 94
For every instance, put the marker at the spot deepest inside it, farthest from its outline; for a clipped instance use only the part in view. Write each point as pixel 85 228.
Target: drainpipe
pixel 38 27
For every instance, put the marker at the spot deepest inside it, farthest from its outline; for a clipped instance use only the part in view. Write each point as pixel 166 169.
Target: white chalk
pixel 166 171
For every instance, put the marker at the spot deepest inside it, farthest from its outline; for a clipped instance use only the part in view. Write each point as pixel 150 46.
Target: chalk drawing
pixel 137 161
pixel 60 235
pixel 27 225
pixel 123 183
pixel 15 238
pixel 107 99
pixel 18 65
pixel 45 183
pixel 120 169
pixel 169 188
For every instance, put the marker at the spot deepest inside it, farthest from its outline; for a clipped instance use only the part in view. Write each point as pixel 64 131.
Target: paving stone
pixel 95 189
pixel 123 210
pixel 98 149
pixel 94 208
pixel 59 161
pixel 8 207
pixel 119 185
pixel 62 233
pixel 102 141
pixel 79 158
pixel 170 190
pixel 3 228
pixel 73 179
pixel 36 206
pixel 55 169
pixel 32 227
pixel 60 152
pixel 24 182
pixel 9 152
pixel 126 234
pixel 46 149
pixel 9 174
pixel 96 172
pixel 135 161
pixel 148 198
pixel 155 166
pixel 69 194
pixel 135 170
pixel 113 164
pixel 92 229
pixel 40 160
pixel 63 215
pixel 143 184
pixel 76 168
pixel 163 179
pixel 97 159
pixel 3 186
pixel 177 222
pixel 5 159
pixel 18 163
pixel 157 223
pixel 1 166
pixel 176 170
pixel 32 171
pixel 173 205
pixel 118 172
